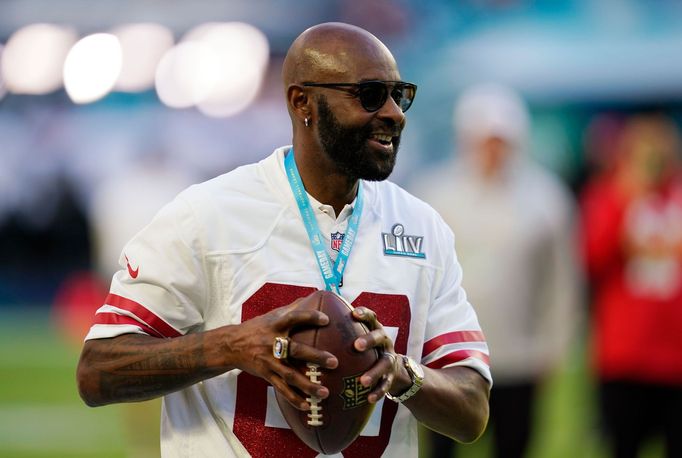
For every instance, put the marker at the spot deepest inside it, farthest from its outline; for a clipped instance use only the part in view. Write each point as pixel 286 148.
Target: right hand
pixel 249 346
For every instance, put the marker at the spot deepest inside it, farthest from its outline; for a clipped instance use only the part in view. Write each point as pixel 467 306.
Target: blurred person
pixel 207 292
pixel 516 243
pixel 632 243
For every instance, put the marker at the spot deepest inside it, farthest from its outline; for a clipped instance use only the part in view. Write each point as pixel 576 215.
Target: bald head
pixel 333 52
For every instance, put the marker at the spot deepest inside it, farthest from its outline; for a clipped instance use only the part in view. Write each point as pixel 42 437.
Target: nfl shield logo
pixel 336 241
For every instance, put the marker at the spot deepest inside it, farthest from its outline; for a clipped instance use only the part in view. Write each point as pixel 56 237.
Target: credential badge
pixel 398 244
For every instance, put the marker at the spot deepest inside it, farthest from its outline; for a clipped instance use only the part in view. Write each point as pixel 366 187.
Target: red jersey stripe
pixel 113 318
pixel 457 356
pixel 450 338
pixel 144 314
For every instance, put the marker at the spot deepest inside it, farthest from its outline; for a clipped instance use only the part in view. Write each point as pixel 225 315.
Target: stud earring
pixel 306 121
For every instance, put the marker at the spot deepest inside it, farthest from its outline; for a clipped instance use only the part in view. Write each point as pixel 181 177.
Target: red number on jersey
pixel 249 421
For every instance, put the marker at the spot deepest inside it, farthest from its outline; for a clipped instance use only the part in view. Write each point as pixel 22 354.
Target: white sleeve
pixel 161 287
pixel 453 334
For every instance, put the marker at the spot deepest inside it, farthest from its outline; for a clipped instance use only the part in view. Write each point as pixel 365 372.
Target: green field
pixel 42 416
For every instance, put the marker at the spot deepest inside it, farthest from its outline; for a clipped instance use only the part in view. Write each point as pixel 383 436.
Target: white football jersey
pixel 235 247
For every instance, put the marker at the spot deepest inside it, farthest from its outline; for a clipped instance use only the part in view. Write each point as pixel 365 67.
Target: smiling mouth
pixel 383 139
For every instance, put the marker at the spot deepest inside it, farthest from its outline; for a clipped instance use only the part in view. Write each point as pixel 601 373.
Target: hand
pixel 250 345
pixel 388 373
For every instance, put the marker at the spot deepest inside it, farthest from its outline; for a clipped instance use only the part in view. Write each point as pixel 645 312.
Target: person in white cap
pixel 513 229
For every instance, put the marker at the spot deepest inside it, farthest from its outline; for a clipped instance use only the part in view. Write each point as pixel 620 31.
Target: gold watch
pixel 416 374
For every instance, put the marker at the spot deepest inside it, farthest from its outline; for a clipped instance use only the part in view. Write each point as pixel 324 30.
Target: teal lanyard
pixel 332 273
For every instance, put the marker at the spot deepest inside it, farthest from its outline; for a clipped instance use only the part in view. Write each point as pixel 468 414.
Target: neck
pixel 322 179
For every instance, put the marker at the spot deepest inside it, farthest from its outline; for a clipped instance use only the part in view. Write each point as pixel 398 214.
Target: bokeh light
pixel 242 56
pixel 92 67
pixel 142 45
pixel 33 58
pixel 218 67
pixel 186 74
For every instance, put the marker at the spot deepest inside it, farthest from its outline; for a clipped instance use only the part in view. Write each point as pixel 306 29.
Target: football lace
pixel 314 416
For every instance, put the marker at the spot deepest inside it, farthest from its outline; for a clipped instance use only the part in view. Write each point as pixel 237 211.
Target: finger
pixel 291 395
pixel 367 316
pixel 312 355
pixel 383 368
pixel 376 338
pixel 381 389
pixel 301 317
pixel 294 378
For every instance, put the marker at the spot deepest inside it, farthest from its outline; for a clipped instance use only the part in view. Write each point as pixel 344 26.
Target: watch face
pixel 416 368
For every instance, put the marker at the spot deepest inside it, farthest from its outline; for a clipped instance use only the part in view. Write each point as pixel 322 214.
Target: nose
pixel 391 110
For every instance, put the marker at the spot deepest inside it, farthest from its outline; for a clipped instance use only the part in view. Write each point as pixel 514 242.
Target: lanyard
pixel 332 273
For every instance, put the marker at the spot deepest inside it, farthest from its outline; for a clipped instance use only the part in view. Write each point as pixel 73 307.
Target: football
pixel 332 424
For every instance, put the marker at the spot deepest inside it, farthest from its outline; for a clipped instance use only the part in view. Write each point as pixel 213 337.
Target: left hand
pixel 388 370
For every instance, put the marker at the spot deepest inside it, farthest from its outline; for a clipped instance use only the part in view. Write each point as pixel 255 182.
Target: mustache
pixel 392 129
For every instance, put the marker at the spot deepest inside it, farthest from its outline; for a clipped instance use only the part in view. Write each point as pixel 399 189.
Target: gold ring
pixel 280 347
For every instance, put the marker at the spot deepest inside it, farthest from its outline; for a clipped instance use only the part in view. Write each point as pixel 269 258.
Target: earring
pixel 306 121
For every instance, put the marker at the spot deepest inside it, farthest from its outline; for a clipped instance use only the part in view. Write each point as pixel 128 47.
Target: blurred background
pixel 110 108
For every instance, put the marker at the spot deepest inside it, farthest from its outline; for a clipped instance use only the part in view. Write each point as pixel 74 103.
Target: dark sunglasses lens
pixel 372 95
pixel 403 94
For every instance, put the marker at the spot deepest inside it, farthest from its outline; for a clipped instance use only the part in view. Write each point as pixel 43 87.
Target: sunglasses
pixel 373 94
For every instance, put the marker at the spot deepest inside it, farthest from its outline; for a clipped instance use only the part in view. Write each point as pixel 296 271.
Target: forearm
pixel 452 401
pixel 135 367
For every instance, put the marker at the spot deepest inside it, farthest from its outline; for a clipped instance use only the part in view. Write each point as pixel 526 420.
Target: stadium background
pixel 573 60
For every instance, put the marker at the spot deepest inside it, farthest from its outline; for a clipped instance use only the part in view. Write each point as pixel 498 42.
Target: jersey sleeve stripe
pixel 113 318
pixel 450 338
pixel 457 356
pixel 145 315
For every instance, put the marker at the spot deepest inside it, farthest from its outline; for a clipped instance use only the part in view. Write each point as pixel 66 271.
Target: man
pixel 219 270
pixel 515 240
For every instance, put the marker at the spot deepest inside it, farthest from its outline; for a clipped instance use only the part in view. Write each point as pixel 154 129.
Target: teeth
pixel 383 138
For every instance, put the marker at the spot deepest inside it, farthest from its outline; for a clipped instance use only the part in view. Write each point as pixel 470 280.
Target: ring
pixel 393 357
pixel 280 347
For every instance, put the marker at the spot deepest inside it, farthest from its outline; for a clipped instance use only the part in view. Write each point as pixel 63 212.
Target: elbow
pixel 476 427
pixel 478 413
pixel 86 380
pixel 84 386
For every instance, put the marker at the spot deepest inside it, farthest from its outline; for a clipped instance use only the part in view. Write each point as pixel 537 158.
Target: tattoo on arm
pixel 136 367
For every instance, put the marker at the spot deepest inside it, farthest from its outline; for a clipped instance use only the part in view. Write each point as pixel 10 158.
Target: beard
pixel 348 149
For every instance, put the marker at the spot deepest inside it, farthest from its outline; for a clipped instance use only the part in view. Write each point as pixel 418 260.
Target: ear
pixel 299 102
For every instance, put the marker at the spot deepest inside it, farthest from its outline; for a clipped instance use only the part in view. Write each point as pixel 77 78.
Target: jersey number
pixel 249 421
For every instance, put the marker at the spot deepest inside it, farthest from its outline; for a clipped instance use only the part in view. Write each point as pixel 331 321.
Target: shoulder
pixel 241 205
pixel 242 187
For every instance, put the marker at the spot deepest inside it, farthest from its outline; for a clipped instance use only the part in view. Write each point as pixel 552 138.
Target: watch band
pixel 416 375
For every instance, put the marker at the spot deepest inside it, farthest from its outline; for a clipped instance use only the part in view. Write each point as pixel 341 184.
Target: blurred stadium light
pixel 92 67
pixel 33 58
pixel 143 45
pixel 241 54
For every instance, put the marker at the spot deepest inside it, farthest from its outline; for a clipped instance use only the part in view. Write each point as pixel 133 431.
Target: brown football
pixel 334 423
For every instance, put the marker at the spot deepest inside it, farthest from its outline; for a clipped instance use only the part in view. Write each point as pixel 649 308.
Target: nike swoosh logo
pixel 133 273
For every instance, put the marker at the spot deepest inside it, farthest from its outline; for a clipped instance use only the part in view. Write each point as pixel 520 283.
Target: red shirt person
pixel 632 240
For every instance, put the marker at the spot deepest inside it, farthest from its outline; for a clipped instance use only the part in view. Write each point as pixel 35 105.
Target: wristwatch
pixel 416 374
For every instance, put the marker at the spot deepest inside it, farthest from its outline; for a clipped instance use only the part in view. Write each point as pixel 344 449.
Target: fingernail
pixel 305 406
pixel 331 363
pixel 359 312
pixel 322 393
pixel 360 345
pixel 365 380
